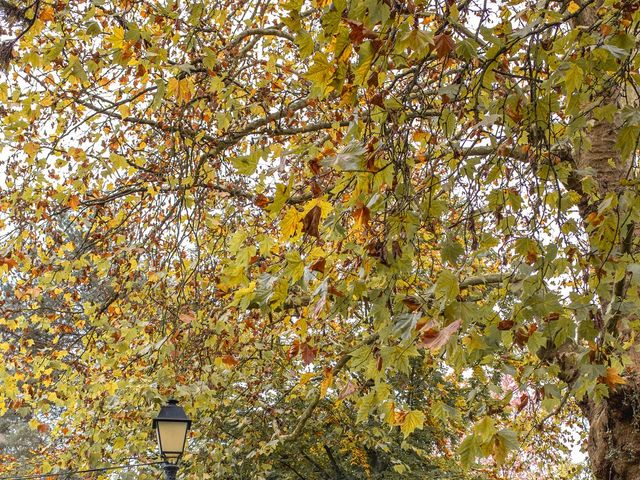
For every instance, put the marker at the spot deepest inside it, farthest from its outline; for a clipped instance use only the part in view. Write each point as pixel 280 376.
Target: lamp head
pixel 171 426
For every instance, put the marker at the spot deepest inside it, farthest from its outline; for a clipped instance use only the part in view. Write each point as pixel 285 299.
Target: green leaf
pixel 450 251
pixel 485 429
pixel 245 164
pixel 304 41
pixel 505 441
pixel 447 285
pixel 627 140
pixel 469 450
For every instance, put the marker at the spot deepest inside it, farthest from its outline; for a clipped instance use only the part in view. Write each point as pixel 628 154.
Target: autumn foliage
pixel 355 239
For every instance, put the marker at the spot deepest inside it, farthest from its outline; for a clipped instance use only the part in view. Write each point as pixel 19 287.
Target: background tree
pixel 356 239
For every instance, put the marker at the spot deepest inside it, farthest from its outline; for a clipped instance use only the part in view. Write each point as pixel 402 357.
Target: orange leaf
pixel 73 202
pixel 230 360
pixel 47 14
pixel 261 200
pixel 361 215
pixel 326 382
pixel 9 262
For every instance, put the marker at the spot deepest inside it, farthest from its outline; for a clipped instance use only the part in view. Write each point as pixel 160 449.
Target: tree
pixel 364 239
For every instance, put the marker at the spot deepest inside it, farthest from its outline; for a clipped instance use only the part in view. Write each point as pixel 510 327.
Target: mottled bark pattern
pixel 614 434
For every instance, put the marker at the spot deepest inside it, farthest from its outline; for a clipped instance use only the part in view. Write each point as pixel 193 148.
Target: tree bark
pixel 614 434
pixel 614 423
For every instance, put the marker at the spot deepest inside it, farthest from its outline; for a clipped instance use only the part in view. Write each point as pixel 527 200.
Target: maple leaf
pixel 261 200
pixel 9 262
pixel 319 265
pixel 412 421
pixel 361 215
pixel 506 324
pixel 308 353
pixel 230 360
pixel 349 389
pixel 73 202
pixel 612 378
pixel 47 14
pixel 311 221
pixel 289 223
pixel 443 44
pixel 412 303
pixel 326 382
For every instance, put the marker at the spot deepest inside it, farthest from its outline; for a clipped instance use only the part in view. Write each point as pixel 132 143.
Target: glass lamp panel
pixel 171 437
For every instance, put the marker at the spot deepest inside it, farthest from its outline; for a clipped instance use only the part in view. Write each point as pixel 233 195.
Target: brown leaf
pixel 43 428
pixel 311 221
pixel 187 317
pixel 314 165
pixel 412 303
pixel 9 262
pixel 522 402
pixel 506 325
pixel 444 44
pixel 316 190
pixel 521 336
pixel 293 350
pixel 358 31
pixel 334 291
pixel 319 265
pixel 308 353
pixel 378 100
pixel 437 340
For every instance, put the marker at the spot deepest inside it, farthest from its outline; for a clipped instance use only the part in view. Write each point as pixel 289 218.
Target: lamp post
pixel 171 426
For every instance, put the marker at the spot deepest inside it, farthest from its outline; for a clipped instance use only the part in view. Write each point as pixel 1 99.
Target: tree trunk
pixel 614 431
pixel 614 434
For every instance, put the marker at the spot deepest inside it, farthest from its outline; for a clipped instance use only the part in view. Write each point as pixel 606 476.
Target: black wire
pixel 70 472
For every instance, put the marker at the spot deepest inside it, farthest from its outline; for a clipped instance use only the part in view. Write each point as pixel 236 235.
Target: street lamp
pixel 171 426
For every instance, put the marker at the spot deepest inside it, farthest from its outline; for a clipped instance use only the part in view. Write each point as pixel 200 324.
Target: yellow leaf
pixel 573 7
pixel 117 37
pixel 305 378
pixel 31 148
pixel 289 223
pixel 181 90
pixel 412 421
